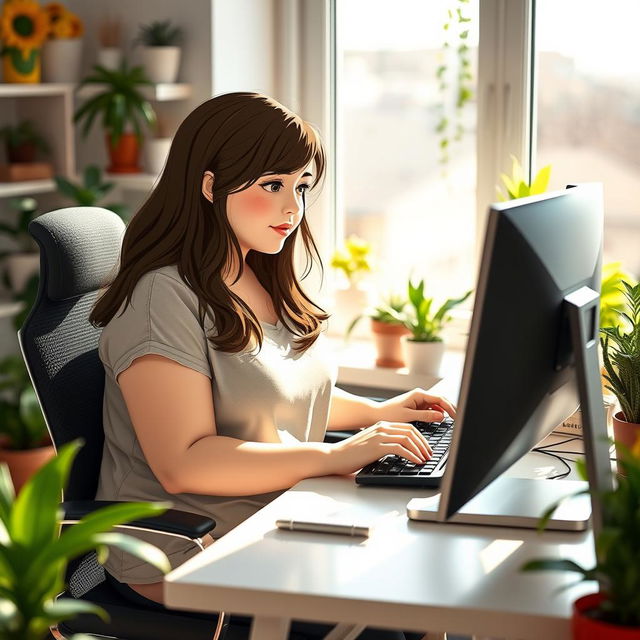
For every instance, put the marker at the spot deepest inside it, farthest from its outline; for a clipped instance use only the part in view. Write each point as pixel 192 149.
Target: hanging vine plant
pixel 459 87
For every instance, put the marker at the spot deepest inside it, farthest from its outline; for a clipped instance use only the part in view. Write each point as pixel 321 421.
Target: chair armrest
pixel 173 521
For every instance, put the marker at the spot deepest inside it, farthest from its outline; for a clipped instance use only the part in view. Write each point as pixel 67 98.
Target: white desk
pixel 406 575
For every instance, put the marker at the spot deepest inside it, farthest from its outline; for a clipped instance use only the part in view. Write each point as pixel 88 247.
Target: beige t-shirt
pixel 270 395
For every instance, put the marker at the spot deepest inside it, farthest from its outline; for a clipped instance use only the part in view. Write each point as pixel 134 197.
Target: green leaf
pixel 7 493
pixel 65 608
pixel 138 548
pixel 83 536
pixel 541 181
pixel 65 187
pixel 91 176
pixel 553 565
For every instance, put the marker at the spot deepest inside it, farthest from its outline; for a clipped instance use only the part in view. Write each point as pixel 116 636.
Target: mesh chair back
pixel 79 252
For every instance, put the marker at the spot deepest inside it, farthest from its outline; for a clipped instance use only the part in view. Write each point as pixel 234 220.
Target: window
pixel 405 184
pixel 588 108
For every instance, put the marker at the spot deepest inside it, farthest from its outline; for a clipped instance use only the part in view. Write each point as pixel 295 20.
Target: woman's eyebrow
pixel 306 174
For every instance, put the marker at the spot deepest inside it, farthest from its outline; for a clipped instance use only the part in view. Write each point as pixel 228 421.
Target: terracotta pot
pixel 585 627
pixel 24 463
pixel 124 155
pixel 625 432
pixel 387 339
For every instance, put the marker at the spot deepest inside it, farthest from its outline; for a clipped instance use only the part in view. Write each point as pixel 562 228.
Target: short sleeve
pixel 161 318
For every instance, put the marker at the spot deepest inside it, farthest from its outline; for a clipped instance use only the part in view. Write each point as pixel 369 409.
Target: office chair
pixel 79 248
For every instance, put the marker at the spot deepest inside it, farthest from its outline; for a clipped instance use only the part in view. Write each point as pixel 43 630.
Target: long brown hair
pixel 239 137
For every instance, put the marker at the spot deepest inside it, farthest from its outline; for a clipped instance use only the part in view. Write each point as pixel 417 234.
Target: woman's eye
pixel 303 187
pixel 266 185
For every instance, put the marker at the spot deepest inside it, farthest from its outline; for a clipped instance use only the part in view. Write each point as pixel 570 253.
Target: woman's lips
pixel 281 231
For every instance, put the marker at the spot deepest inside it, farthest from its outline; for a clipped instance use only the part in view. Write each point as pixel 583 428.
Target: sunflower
pixel 23 25
pixel 61 28
pixel 54 10
pixel 77 28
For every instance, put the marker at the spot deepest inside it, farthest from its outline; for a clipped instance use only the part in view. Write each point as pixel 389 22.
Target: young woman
pixel 219 387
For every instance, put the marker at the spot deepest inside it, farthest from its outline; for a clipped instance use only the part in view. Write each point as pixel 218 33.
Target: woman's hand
pixel 414 405
pixel 377 441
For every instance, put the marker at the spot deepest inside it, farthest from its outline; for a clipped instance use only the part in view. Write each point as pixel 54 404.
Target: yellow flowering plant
pixel 352 259
pixel 63 23
pixel 23 29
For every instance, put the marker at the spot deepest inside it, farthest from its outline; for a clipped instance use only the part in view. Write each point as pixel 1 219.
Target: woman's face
pixel 274 200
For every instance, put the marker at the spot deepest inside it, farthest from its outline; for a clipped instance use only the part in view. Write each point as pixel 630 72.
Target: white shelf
pixel 9 308
pixel 132 181
pixel 26 90
pixel 356 366
pixel 26 188
pixel 158 92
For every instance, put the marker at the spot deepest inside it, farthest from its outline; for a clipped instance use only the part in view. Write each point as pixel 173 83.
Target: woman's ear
pixel 207 185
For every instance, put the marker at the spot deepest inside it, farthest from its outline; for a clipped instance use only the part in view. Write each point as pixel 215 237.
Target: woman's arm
pixel 171 408
pixel 349 411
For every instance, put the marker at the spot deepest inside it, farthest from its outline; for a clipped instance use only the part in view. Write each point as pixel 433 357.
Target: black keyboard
pixel 393 470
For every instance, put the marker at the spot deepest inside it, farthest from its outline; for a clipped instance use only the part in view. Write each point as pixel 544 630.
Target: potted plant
pixel 160 51
pixel 387 326
pixel 621 355
pixel 351 296
pixel 424 348
pixel 34 555
pixel 25 444
pixel 23 29
pixel 614 612
pixel 109 53
pixel 91 191
pixel 25 261
pixel 122 108
pixel 518 187
pixel 62 51
pixel 23 141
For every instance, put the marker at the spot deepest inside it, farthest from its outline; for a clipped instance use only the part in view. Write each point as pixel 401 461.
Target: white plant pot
pixel 20 268
pixel 109 58
pixel 62 60
pixel 423 357
pixel 347 304
pixel 161 63
pixel 156 152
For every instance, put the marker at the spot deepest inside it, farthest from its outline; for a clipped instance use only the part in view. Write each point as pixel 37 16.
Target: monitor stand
pixel 516 501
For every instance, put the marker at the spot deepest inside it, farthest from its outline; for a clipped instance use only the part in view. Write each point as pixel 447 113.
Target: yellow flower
pixel 23 24
pixel 61 28
pixel 54 10
pixel 77 28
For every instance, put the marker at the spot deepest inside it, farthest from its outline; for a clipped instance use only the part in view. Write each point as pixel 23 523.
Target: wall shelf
pixel 132 181
pixel 159 92
pixel 26 188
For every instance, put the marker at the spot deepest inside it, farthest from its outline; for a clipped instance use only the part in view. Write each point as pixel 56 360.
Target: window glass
pixel 406 152
pixel 588 107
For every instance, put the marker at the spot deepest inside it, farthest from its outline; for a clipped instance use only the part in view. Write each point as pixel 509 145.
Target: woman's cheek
pixel 257 205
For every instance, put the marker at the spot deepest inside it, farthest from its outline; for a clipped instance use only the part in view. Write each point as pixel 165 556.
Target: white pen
pixel 323 527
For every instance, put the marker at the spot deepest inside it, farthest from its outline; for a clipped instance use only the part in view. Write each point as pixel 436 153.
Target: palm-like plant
pixel 425 325
pixel 90 191
pixel 33 557
pixel 621 355
pixel 160 33
pixel 120 103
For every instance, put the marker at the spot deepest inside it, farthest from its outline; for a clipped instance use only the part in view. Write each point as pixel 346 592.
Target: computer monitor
pixel 531 358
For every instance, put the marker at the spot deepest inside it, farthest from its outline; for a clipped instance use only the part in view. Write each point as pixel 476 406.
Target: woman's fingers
pixel 407 430
pixel 398 450
pixel 438 403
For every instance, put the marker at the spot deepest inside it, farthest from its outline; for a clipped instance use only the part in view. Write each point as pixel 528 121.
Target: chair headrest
pixel 79 248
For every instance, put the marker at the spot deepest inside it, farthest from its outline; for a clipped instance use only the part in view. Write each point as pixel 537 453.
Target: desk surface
pixel 410 575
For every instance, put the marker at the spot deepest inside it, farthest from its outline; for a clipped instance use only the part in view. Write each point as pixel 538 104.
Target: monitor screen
pixel 519 380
